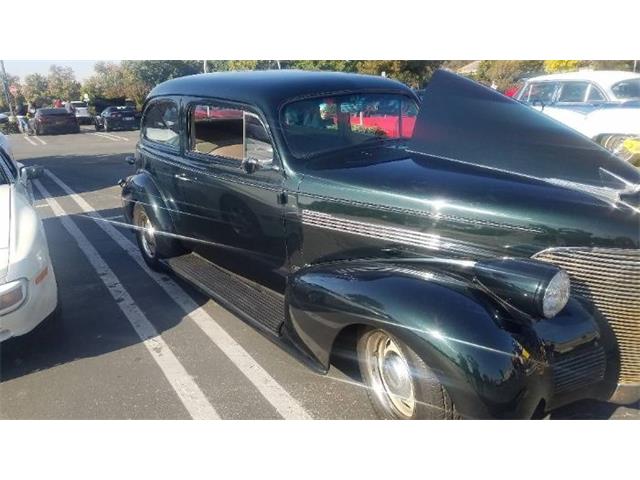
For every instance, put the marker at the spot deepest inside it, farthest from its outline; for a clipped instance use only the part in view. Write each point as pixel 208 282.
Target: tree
pixel 36 89
pixel 504 73
pixel 332 65
pixel 612 64
pixel 152 72
pixel 62 84
pixel 557 66
pixel 16 99
pixel 412 72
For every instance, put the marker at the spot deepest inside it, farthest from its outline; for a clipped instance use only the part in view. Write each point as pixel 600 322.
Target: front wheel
pixel 399 383
pixel 152 243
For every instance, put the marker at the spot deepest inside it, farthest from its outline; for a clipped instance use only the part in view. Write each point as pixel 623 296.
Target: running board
pixel 263 307
pixel 256 305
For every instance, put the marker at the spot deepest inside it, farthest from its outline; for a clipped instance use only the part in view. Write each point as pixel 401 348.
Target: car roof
pixel 268 89
pixel 605 78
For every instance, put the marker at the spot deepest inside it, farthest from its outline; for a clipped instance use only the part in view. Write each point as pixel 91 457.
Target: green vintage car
pixel 473 257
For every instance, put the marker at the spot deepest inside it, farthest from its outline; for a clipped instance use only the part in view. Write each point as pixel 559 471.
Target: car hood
pixel 464 121
pixel 5 217
pixel 484 171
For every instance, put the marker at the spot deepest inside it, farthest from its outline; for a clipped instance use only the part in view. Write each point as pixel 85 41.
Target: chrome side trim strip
pixel 391 234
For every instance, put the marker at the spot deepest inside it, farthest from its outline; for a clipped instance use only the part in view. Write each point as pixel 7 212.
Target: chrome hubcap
pixel 390 374
pixel 148 236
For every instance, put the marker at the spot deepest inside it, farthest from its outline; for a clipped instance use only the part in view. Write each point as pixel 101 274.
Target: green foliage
pixel 9 127
pixel 505 73
pixel 333 65
pixel 36 89
pixel 62 83
pixel 558 66
pixel 412 72
pixel 612 64
pixel 369 130
pixel 152 72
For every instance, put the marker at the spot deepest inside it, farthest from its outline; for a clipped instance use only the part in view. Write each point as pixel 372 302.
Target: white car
pixel 28 288
pixel 603 105
pixel 82 112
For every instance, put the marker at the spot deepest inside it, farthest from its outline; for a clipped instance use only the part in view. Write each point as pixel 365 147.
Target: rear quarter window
pixel 160 123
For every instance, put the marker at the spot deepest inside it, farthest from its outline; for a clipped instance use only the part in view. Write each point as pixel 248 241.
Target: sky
pixel 82 68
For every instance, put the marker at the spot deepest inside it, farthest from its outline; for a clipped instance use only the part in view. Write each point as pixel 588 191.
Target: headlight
pixel 536 288
pixel 556 295
pixel 12 296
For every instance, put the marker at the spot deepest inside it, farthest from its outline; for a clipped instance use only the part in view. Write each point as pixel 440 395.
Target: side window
pixel 257 144
pixel 595 95
pixel 160 123
pixel 573 92
pixel 541 92
pixel 230 133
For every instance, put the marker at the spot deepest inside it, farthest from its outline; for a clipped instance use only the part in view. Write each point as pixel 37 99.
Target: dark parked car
pixel 487 264
pixel 53 120
pixel 117 118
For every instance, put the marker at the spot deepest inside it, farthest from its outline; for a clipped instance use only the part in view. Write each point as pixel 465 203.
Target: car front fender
pixel 141 188
pixel 452 326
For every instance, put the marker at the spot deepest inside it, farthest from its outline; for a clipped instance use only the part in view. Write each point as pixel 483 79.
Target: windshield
pixel 627 89
pixel 324 124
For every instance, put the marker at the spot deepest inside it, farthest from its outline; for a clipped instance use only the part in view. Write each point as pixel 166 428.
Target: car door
pixel 230 191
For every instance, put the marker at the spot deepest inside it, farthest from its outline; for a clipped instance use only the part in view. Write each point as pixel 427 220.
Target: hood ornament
pixel 609 194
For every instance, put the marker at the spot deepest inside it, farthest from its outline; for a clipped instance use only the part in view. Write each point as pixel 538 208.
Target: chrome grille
pixel 610 279
pixel 578 369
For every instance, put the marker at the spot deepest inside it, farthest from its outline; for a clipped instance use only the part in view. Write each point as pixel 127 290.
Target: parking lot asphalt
pixel 135 344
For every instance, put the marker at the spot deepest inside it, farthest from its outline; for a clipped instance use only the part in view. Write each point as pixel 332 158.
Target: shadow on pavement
pixel 91 322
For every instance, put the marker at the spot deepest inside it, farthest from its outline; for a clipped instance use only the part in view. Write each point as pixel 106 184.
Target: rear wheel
pixel 399 383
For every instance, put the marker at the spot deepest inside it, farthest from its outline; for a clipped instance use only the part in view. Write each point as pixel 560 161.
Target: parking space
pixel 133 343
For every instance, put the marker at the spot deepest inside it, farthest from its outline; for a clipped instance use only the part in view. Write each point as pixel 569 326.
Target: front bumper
pixel 122 124
pixel 42 300
pixel 626 395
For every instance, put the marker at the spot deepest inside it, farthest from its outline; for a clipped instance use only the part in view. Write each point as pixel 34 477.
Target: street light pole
pixel 204 66
pixel 5 85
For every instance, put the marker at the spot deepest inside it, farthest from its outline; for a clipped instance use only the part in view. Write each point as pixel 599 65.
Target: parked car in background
pixel 82 112
pixel 28 289
pixel 581 91
pixel 53 120
pixel 117 118
pixel 462 266
pixel 603 105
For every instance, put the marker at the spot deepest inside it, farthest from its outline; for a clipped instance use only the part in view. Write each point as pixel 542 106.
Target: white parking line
pixel 125 139
pixel 183 384
pixel 102 135
pixel 42 142
pixel 30 141
pixel 270 389
pixel 111 136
